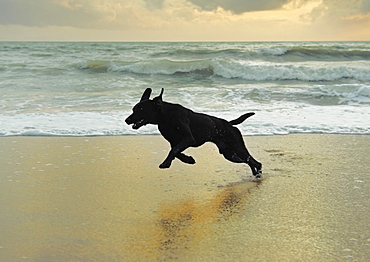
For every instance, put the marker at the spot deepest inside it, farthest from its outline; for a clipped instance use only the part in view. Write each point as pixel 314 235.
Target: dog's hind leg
pixel 255 166
pixel 229 154
pixel 186 159
pixel 243 153
pixel 241 156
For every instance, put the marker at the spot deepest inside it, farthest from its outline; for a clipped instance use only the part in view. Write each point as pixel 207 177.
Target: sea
pixel 89 88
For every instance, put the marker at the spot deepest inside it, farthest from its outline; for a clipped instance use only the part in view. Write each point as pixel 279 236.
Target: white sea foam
pixel 68 124
pixel 280 119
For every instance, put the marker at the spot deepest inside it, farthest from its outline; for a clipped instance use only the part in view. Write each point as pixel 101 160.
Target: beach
pixel 105 199
pixel 79 184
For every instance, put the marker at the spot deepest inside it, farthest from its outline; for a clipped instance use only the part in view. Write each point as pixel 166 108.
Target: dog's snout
pixel 128 120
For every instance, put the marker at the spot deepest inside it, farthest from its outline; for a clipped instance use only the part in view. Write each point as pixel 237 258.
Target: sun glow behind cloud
pixel 184 20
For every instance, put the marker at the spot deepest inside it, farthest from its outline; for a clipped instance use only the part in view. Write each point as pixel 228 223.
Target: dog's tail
pixel 240 119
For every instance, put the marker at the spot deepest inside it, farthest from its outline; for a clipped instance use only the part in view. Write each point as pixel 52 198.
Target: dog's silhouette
pixel 183 128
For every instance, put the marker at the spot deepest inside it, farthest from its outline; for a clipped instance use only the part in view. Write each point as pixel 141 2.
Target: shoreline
pixel 103 198
pixel 158 134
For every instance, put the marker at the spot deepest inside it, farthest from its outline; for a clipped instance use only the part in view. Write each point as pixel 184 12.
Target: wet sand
pixel 105 199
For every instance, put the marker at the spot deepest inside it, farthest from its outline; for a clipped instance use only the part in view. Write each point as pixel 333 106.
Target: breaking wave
pixel 273 51
pixel 229 69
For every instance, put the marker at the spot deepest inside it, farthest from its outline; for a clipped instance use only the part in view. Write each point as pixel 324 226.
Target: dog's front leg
pixel 186 159
pixel 175 151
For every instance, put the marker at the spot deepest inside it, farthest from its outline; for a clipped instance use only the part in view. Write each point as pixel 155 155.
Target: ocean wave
pixel 264 71
pixel 150 67
pixel 229 69
pixel 315 95
pixel 199 52
pixel 345 93
pixel 94 66
pixel 325 53
pixel 41 54
pixel 324 95
pixel 88 89
pixel 271 51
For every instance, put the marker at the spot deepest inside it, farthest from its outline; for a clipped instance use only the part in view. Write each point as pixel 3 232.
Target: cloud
pixel 240 6
pixel 126 14
pixel 366 6
pixel 339 9
pixel 154 4
pixel 45 13
pixel 156 13
pixel 339 19
pixel 231 19
pixel 94 14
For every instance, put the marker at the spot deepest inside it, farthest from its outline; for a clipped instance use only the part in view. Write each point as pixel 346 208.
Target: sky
pixel 184 20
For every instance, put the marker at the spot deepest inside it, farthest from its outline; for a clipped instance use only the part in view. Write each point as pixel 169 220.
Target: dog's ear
pixel 146 94
pixel 160 95
pixel 158 100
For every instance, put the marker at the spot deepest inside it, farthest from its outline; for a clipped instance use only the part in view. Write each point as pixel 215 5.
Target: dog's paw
pixel 259 174
pixel 189 160
pixel 186 159
pixel 165 165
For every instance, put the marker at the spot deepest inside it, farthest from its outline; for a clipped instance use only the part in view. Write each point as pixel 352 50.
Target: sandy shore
pixel 105 199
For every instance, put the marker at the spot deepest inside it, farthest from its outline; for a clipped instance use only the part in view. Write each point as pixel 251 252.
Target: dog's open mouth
pixel 139 124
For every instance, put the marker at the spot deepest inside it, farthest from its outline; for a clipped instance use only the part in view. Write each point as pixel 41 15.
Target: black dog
pixel 184 128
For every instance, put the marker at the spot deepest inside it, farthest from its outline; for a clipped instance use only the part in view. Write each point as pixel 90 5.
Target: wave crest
pixel 151 67
pixel 322 53
pixel 231 69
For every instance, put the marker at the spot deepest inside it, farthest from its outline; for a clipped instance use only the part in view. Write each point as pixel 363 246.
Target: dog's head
pixel 146 111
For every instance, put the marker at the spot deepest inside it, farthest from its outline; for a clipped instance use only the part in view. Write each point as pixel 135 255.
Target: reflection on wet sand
pixel 103 199
pixel 182 226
